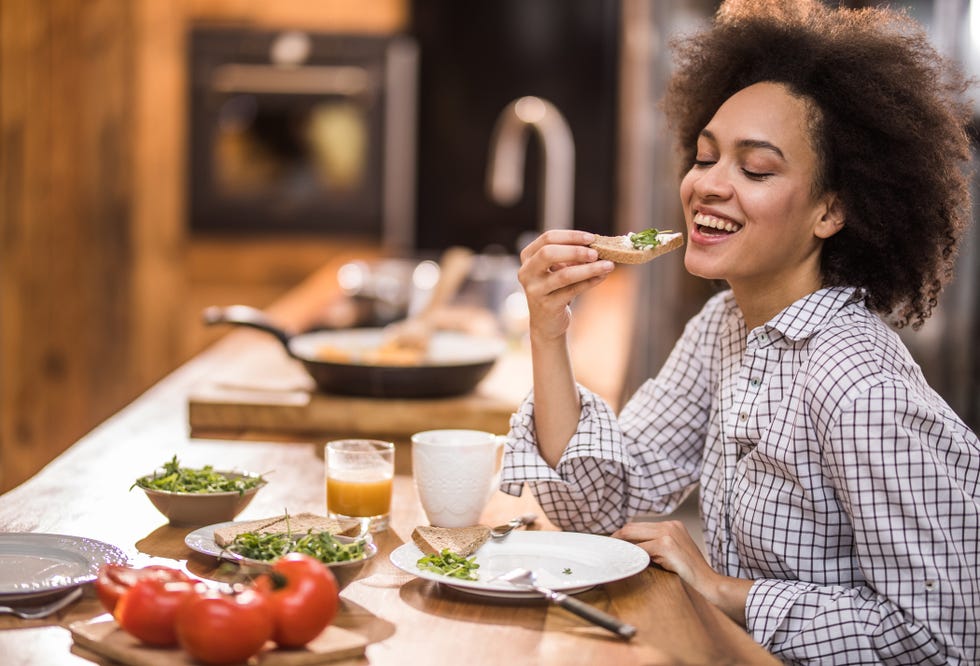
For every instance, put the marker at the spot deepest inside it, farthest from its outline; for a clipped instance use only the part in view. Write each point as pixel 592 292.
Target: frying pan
pixel 455 364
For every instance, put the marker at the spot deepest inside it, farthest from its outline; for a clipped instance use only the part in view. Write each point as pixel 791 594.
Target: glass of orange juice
pixel 359 475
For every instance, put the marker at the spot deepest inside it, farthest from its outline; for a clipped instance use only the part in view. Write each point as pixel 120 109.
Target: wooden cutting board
pixel 266 391
pixel 105 638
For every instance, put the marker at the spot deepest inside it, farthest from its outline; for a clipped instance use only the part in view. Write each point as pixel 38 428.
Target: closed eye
pixel 755 175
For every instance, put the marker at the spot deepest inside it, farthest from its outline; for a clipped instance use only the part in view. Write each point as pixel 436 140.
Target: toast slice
pixel 300 524
pixel 620 248
pixel 462 541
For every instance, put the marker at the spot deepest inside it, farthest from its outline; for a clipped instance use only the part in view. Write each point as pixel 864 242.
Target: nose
pixel 711 181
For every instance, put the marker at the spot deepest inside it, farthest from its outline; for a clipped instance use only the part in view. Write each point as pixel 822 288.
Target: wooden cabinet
pixel 94 282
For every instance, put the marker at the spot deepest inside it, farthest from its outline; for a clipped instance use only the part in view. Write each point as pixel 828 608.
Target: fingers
pixel 556 267
pixel 561 280
pixel 557 259
pixel 645 531
pixel 556 237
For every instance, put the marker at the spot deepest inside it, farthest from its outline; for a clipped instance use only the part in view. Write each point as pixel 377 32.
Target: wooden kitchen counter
pixel 85 492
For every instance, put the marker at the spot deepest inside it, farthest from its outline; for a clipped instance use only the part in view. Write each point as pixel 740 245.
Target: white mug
pixel 456 473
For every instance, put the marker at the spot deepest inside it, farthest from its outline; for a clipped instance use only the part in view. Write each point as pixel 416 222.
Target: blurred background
pixel 158 156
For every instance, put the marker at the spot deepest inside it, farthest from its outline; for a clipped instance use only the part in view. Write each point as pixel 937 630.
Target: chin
pixel 700 267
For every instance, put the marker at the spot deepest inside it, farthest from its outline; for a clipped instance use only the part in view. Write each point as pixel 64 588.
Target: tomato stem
pixel 279 581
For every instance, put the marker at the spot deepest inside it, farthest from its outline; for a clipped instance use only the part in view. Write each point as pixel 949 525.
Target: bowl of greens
pixel 199 495
pixel 344 556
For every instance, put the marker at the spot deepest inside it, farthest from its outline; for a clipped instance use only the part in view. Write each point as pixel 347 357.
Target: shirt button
pixel 743 416
pixel 754 382
pixel 930 585
pixel 763 337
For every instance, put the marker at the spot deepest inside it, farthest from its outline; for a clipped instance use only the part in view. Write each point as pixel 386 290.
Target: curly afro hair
pixel 889 128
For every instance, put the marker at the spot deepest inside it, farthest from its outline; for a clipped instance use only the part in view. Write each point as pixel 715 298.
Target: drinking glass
pixel 359 475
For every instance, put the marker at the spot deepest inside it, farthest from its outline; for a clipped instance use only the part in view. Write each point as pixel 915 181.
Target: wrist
pixel 543 339
pixel 730 594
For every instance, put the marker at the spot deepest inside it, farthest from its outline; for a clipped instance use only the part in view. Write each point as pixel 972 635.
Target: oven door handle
pixel 342 80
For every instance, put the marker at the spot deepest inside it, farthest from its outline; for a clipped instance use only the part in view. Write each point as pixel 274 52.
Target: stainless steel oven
pixel 301 132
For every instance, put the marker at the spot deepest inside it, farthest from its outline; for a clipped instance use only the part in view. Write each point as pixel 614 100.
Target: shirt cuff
pixel 597 434
pixel 523 461
pixel 768 604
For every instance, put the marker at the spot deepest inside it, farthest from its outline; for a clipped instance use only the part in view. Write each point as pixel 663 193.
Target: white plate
pixel 33 564
pixel 202 541
pixel 569 562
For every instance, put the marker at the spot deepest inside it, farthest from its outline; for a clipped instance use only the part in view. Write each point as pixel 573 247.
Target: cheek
pixel 687 188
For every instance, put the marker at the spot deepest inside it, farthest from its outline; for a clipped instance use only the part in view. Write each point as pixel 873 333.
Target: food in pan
pixel 387 354
pixel 637 248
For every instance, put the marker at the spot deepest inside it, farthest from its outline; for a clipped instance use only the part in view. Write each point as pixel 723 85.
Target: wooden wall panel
pixel 158 231
pixel 93 269
pixel 65 113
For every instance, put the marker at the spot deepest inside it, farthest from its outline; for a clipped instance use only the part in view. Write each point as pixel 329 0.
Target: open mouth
pixel 714 226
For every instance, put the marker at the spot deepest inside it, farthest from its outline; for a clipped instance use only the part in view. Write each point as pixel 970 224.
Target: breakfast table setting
pixel 85 511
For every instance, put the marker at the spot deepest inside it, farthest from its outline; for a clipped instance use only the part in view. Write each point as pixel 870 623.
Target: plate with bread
pixel 254 543
pixel 569 562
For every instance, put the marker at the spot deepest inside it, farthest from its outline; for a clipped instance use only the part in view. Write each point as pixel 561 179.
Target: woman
pixel 839 494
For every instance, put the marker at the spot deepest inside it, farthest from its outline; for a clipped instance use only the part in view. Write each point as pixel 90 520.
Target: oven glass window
pixel 301 150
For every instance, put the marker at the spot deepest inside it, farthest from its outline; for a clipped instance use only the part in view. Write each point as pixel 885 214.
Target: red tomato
pixel 148 609
pixel 114 579
pixel 304 598
pixel 218 628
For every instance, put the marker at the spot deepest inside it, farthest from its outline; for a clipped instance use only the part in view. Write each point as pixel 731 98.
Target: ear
pixel 832 219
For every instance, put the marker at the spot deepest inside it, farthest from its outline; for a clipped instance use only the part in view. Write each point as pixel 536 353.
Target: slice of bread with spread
pixel 300 524
pixel 462 541
pixel 620 249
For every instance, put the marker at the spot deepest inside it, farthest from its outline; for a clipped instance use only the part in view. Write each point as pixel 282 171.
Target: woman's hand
pixel 555 268
pixel 671 546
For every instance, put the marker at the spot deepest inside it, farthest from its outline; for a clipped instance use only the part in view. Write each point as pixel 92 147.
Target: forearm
pixel 556 401
pixel 730 594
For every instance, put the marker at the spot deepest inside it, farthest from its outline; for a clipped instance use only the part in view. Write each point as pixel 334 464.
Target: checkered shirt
pixel 830 474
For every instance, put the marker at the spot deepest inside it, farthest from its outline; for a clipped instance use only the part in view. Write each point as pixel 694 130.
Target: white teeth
pixel 715 223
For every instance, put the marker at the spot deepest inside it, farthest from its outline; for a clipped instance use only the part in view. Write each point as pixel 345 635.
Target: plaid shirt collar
pixel 803 318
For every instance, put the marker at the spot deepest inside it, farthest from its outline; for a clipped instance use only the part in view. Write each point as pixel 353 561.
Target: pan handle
pixel 245 315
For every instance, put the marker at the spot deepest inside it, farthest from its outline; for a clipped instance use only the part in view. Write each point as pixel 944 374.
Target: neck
pixel 761 302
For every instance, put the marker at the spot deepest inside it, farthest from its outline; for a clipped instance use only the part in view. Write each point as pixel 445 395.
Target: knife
pixel 526 579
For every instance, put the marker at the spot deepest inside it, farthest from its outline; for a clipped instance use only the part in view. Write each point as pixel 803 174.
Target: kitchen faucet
pixel 508 144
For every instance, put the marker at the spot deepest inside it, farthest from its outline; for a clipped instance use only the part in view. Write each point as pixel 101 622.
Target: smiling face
pixel 753 216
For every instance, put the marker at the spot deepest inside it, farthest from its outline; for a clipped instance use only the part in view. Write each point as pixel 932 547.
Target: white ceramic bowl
pixel 203 508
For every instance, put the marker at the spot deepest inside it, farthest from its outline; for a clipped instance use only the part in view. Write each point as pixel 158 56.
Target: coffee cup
pixel 456 473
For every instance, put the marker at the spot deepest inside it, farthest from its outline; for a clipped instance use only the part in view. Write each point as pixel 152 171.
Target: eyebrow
pixel 748 143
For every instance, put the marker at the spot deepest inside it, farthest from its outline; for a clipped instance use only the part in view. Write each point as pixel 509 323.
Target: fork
pixel 35 612
pixel 500 531
pixel 526 579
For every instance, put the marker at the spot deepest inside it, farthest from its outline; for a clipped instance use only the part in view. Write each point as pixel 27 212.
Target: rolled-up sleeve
pixel 915 542
pixel 806 623
pixel 644 460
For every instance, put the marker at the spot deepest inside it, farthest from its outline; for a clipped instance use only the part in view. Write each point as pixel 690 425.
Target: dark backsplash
pixel 476 58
